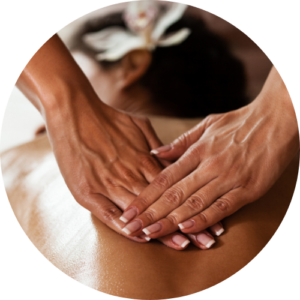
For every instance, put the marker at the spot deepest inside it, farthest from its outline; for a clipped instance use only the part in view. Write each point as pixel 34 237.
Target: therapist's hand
pixel 226 162
pixel 104 157
pixel 103 154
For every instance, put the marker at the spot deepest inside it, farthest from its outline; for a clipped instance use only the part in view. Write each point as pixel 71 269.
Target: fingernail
pixel 152 228
pixel 205 240
pixel 128 215
pixel 161 149
pixel 180 240
pixel 217 229
pixel 186 224
pixel 145 237
pixel 132 227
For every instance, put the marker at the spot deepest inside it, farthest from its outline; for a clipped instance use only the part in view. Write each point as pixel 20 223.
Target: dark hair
pixel 193 79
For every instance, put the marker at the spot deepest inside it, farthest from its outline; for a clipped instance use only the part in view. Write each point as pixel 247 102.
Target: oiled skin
pixel 81 246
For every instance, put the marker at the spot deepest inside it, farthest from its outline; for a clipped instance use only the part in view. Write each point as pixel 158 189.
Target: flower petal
pixel 174 38
pixel 172 15
pixel 106 38
pixel 117 52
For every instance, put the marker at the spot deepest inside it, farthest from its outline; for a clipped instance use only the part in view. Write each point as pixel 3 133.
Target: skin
pixel 225 162
pixel 85 249
pixel 103 154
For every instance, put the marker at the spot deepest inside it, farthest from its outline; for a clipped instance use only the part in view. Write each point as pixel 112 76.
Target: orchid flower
pixel 146 30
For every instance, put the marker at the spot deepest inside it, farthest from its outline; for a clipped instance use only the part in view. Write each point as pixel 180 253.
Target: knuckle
pixel 109 214
pixel 182 141
pixel 212 118
pixel 195 203
pixel 173 220
pixel 162 180
pixel 150 216
pixel 110 183
pixel 84 189
pixel 142 201
pixel 202 218
pixel 149 163
pixel 194 150
pixel 222 205
pixel 128 175
pixel 173 196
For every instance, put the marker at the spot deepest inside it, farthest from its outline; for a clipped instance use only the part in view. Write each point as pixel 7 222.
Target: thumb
pixel 174 150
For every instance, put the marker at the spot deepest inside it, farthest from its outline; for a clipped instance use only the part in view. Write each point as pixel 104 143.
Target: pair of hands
pixel 103 154
pixel 104 157
pixel 224 163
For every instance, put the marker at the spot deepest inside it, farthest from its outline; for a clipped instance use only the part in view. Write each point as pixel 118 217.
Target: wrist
pixel 67 107
pixel 275 105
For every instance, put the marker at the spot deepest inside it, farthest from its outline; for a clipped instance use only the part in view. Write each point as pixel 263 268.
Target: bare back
pixel 85 249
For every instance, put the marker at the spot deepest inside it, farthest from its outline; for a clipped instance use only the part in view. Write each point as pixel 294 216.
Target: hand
pixel 104 157
pixel 114 167
pixel 103 154
pixel 226 162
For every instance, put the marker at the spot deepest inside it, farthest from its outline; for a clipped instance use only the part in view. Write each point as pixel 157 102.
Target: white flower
pixel 146 31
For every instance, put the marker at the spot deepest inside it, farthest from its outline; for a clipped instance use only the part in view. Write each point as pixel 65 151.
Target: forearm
pixel 52 79
pixel 57 87
pixel 274 103
pixel 231 159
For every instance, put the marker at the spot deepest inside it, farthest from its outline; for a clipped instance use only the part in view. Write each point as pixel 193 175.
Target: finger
pixel 160 184
pixel 195 203
pixel 153 141
pixel 203 240
pixel 146 127
pixel 108 213
pixel 124 175
pixel 176 240
pixel 220 209
pixel 121 197
pixel 174 150
pixel 165 163
pixel 217 229
pixel 149 167
pixel 166 206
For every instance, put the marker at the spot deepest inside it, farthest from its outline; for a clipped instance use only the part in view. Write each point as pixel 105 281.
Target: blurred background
pixel 22 120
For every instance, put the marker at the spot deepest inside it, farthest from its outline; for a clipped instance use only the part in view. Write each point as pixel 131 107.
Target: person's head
pixel 192 79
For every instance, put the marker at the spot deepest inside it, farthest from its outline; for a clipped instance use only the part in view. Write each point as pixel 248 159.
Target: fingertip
pixel 187 225
pixel 129 215
pixel 144 237
pixel 161 150
pixel 181 241
pixel 217 229
pixel 202 240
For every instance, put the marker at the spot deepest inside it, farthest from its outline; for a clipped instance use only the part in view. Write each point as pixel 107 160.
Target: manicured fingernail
pixel 217 229
pixel 161 149
pixel 145 237
pixel 128 215
pixel 205 240
pixel 180 240
pixel 152 228
pixel 186 224
pixel 132 227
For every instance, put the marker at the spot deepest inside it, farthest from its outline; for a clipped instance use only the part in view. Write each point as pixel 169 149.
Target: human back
pixel 85 249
